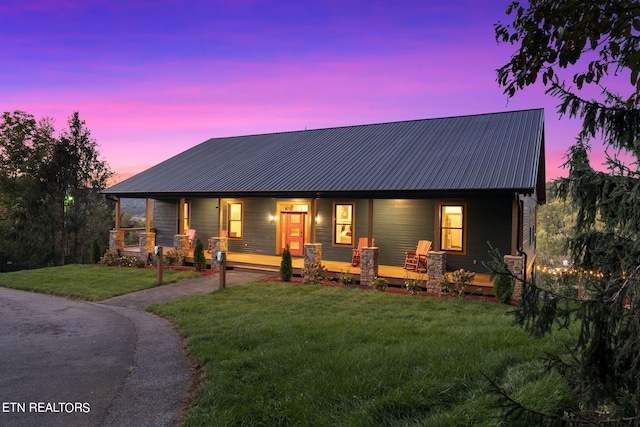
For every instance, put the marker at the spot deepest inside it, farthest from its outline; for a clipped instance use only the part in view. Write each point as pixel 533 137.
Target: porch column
pixel 314 219
pixel 368 265
pixel 218 244
pixel 436 269
pixel 515 264
pixel 181 218
pixel 147 243
pixel 116 240
pixel 148 212
pixel 118 213
pixel 181 244
pixel 370 224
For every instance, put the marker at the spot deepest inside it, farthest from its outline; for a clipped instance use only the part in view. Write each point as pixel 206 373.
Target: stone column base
pixel 313 270
pixel 218 244
pixel 312 254
pixel 515 264
pixel 436 269
pixel 116 240
pixel 147 243
pixel 368 265
pixel 181 244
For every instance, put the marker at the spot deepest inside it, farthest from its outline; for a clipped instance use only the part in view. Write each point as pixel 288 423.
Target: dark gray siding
pixel 259 234
pixel 399 224
pixel 204 219
pixel 397 227
pixel 165 221
pixel 488 220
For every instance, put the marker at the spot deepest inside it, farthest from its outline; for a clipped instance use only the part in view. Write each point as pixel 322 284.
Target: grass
pixel 88 282
pixel 282 355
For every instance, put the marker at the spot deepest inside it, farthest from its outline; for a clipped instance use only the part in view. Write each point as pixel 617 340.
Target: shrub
pixel 459 279
pixel 314 274
pixel 173 258
pixel 346 278
pixel 131 261
pixel 380 283
pixel 286 267
pixel 503 288
pixel 109 259
pixel 413 285
pixel 503 280
pixel 199 261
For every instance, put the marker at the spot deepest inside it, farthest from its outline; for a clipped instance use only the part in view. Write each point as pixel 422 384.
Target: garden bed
pixel 391 289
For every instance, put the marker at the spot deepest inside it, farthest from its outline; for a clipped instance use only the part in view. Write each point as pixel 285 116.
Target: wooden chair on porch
pixel 357 252
pixel 191 234
pixel 415 260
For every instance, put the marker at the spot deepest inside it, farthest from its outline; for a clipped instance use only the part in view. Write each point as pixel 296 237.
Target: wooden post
pixel 370 225
pixel 219 209
pixel 159 266
pixel 314 214
pixel 181 229
pixel 222 261
pixel 118 214
pixel 148 227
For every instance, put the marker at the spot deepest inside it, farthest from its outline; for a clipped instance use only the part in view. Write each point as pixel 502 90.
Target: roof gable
pixel 498 151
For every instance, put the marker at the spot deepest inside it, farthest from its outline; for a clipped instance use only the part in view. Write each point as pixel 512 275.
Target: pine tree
pixel 286 267
pixel 199 261
pixel 599 41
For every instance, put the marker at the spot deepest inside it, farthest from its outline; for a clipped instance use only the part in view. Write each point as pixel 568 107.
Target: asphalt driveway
pixel 73 363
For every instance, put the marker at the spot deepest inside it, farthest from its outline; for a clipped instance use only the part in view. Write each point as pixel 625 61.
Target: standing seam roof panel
pixel 486 151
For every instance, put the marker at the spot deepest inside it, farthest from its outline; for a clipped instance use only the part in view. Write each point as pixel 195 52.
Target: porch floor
pixel 396 275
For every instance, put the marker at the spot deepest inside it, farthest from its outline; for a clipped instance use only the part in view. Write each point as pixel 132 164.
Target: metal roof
pixel 487 152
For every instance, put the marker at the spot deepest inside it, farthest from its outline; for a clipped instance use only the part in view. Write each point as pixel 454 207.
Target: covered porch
pixel 394 274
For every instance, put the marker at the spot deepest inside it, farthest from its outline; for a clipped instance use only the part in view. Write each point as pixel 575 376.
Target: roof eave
pixel 364 194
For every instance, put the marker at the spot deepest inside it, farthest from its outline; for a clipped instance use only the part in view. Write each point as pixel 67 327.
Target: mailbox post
pixel 158 252
pixel 221 258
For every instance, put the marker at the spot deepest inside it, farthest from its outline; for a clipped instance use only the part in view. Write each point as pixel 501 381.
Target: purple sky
pixel 152 78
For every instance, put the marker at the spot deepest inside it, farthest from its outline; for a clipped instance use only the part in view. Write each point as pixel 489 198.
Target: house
pixel 458 182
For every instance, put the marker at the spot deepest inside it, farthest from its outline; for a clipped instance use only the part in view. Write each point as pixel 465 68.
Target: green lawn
pixel 88 282
pixel 283 355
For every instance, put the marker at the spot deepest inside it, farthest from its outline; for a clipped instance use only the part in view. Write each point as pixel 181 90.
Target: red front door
pixel 293 232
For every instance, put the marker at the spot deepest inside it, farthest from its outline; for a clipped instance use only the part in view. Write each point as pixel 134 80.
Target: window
pixel 452 225
pixel 343 224
pixel 235 220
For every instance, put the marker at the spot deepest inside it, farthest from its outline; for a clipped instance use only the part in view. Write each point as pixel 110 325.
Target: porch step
pixel 254 267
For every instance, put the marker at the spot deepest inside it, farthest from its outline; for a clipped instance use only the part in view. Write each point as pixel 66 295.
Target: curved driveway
pixel 73 363
pixel 70 363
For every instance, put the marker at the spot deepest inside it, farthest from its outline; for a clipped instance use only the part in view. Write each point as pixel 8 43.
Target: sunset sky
pixel 152 78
